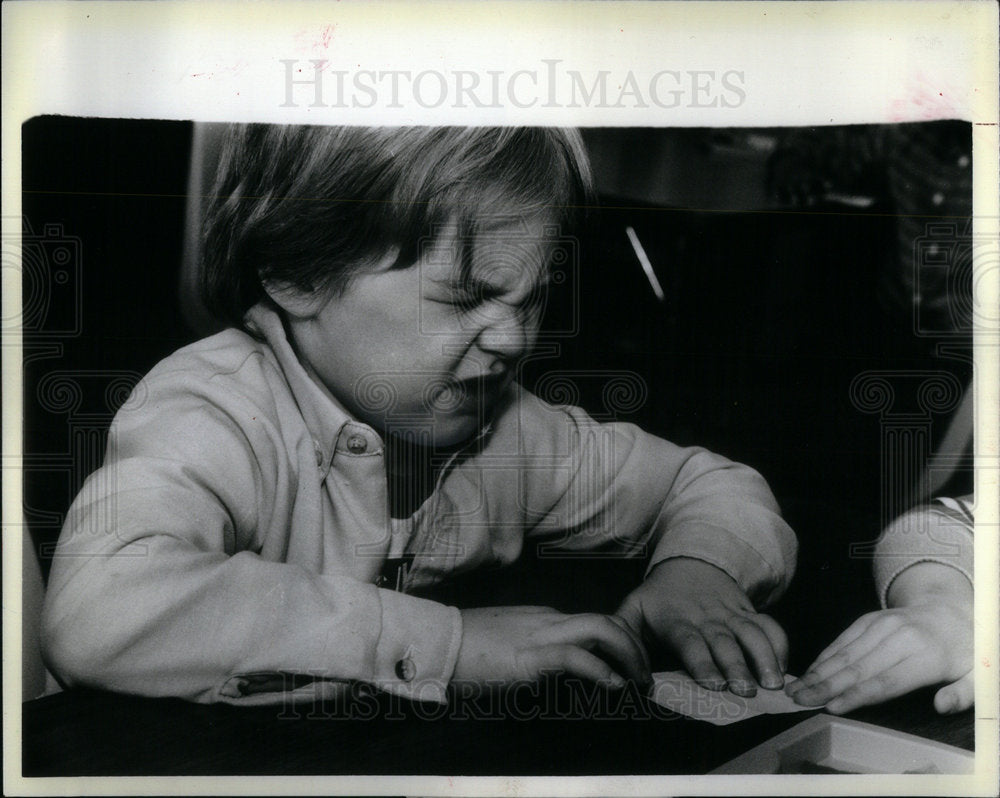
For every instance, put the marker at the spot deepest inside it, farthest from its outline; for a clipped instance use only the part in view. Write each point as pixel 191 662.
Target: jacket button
pixel 405 669
pixel 356 444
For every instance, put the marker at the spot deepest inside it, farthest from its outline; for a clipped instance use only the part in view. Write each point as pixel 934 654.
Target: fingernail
pixel 807 699
pixel 771 681
pixel 617 682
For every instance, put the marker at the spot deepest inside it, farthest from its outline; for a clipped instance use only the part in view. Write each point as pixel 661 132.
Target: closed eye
pixel 468 295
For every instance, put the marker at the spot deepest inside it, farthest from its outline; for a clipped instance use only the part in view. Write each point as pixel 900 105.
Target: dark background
pixel 776 298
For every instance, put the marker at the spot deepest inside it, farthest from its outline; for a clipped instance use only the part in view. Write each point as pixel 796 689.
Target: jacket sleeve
pixel 615 485
pixel 940 532
pixel 158 587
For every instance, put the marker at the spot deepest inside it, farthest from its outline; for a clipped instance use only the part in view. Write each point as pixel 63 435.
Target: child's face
pixel 423 348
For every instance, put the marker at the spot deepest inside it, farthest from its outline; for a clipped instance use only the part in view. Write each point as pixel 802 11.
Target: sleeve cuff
pixel 418 646
pixel 410 649
pixel 927 535
pixel 886 581
pixel 719 547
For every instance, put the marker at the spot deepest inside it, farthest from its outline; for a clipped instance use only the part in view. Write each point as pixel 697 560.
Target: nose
pixel 509 336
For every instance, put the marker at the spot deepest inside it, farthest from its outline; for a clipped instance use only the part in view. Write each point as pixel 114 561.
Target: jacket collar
pixel 324 416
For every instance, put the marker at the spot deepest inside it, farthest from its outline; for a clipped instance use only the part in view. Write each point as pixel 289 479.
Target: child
pixel 273 497
pixel 923 635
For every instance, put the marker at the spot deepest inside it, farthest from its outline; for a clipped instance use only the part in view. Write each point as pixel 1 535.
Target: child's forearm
pixel 922 536
pixel 724 513
pixel 929 582
pixel 616 485
pixel 171 620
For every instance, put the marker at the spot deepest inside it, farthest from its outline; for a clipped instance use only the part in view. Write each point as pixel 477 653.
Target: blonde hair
pixel 309 206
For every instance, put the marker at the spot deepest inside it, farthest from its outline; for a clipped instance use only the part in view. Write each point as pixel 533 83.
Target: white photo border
pixel 751 64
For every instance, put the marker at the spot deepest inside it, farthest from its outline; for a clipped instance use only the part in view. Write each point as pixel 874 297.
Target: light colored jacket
pixel 229 547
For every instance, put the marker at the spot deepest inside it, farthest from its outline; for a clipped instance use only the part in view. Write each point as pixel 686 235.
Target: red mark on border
pixel 326 35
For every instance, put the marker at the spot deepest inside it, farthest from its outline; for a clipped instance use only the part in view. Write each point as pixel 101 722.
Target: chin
pixel 455 431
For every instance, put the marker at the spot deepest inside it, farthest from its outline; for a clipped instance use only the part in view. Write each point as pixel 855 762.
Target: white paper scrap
pixel 678 692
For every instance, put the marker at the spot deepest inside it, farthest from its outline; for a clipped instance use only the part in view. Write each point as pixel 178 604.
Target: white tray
pixel 828 744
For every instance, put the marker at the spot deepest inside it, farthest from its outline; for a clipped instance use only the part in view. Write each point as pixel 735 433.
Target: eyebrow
pixel 467 281
pixel 476 287
pixel 474 281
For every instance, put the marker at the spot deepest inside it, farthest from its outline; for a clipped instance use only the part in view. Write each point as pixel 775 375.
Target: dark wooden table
pixel 559 728
pixel 556 729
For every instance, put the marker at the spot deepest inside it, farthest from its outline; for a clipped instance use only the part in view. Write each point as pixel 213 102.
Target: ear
pixel 296 302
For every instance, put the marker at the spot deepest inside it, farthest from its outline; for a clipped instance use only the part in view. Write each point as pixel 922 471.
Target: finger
pixel 634 633
pixel 631 613
pixel 758 649
pixel 894 681
pixel 843 660
pixel 693 652
pixel 957 696
pixel 599 632
pixel 575 661
pixel 883 667
pixel 778 638
pixel 620 642
pixel 729 658
pixel 845 638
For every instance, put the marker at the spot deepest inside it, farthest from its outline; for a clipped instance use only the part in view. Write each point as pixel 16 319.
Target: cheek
pixel 403 338
pixel 443 334
pixel 443 320
pixel 416 359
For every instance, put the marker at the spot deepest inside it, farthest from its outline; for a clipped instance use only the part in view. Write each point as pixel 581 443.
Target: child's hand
pixel 926 639
pixel 509 644
pixel 701 614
